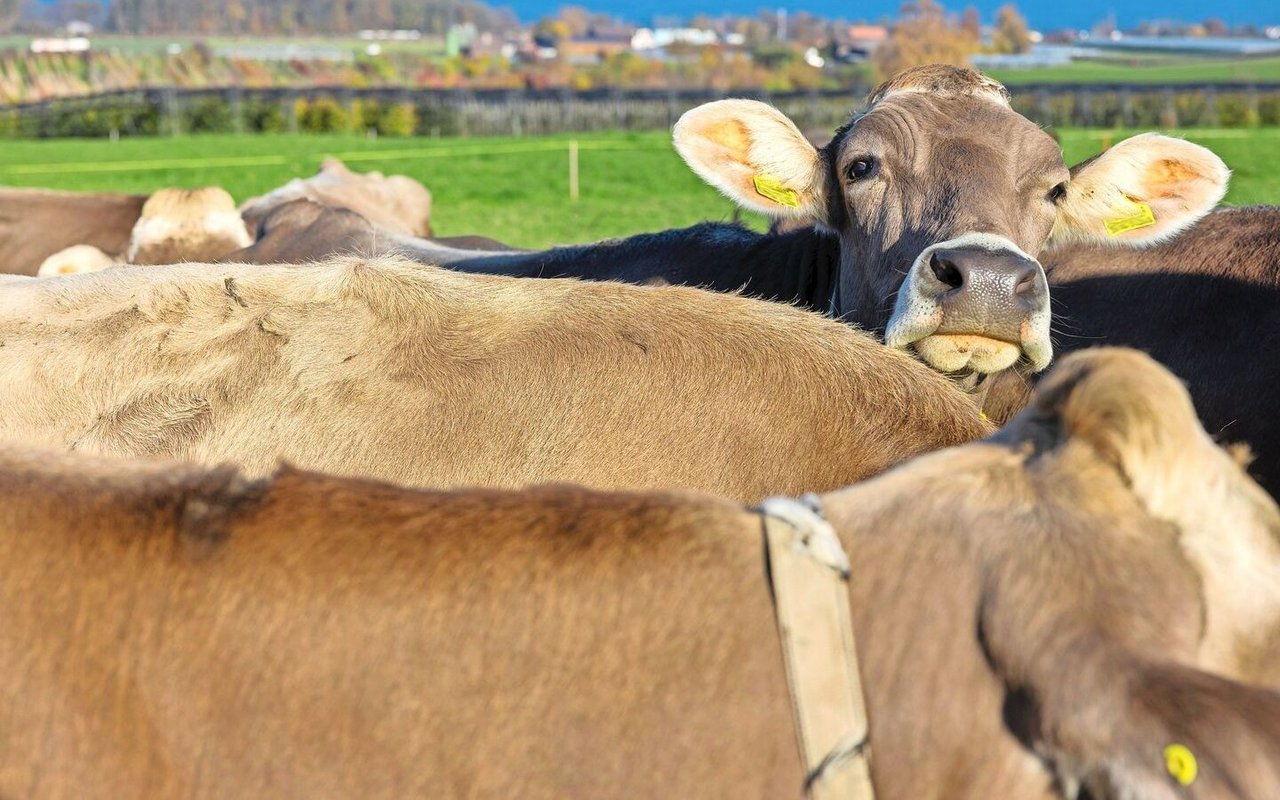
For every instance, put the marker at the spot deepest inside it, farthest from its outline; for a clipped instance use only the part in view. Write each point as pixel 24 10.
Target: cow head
pixel 180 225
pixel 944 197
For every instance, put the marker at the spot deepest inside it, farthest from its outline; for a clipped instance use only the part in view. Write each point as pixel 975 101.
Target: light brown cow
pixel 180 225
pixel 430 377
pixel 36 223
pixel 943 198
pixel 304 231
pixel 76 259
pixel 397 204
pixel 1035 613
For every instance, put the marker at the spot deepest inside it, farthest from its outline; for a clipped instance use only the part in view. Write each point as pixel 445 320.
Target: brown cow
pixel 36 223
pixel 304 231
pixel 430 377
pixel 1047 610
pixel 180 225
pixel 397 204
pixel 943 197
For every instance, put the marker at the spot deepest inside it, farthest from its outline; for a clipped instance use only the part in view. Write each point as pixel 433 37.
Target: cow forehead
pixel 918 126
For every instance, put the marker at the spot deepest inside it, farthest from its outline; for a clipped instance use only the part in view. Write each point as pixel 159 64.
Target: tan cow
pixel 1050 609
pixel 37 223
pixel 179 225
pixel 396 204
pixel 75 260
pixel 425 376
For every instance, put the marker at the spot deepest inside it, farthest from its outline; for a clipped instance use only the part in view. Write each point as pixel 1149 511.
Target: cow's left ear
pixel 757 157
pixel 1142 191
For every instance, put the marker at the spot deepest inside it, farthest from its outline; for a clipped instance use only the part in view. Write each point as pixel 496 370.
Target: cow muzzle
pixel 977 303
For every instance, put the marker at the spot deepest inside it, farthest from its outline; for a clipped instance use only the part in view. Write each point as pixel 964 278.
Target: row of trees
pixel 926 33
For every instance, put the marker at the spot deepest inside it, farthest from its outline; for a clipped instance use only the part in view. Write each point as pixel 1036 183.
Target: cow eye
pixel 1057 193
pixel 861 168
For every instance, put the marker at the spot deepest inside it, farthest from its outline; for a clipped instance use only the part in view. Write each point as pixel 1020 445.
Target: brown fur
pixel 941 80
pixel 304 231
pixel 429 377
pixel 396 204
pixel 176 632
pixel 36 223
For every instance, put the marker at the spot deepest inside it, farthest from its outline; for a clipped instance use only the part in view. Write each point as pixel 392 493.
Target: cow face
pixel 1116 410
pixel 944 198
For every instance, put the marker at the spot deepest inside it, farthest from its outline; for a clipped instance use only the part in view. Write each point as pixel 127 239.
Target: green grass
pixel 1140 69
pixel 513 189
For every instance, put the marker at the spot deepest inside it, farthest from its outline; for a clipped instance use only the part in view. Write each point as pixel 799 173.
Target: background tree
pixel 1011 34
pixel 1214 27
pixel 924 34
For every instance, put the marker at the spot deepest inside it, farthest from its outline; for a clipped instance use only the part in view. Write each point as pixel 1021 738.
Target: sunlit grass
pixel 513 189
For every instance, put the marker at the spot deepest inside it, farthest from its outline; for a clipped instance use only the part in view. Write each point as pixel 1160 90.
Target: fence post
pixel 235 101
pixel 573 170
pixel 169 111
pixel 1169 117
pixel 1211 105
pixel 1084 108
pixel 291 110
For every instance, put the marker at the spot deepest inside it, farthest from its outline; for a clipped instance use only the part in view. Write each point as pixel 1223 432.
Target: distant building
pixel 866 37
pixel 657 38
pixel 391 36
pixel 68 44
pixel 857 42
pixel 592 49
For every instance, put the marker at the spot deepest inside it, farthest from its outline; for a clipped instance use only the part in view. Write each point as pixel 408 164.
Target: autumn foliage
pixel 925 33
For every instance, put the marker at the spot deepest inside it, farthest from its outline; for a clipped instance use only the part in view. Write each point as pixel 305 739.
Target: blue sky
pixel 1042 14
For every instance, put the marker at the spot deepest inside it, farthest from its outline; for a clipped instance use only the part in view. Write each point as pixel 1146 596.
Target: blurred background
pixel 542 124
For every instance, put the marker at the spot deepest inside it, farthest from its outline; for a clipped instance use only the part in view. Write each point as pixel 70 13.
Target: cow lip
pixel 964 335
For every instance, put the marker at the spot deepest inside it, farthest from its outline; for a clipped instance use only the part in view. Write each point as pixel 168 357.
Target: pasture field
pixel 513 189
pixel 1147 68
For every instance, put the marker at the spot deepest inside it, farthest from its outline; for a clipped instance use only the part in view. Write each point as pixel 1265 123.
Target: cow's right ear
pixel 757 157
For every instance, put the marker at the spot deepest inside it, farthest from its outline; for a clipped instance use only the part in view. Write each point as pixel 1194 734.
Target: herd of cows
pixel 301 501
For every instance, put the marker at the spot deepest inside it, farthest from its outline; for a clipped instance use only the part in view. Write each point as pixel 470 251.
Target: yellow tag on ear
pixel 774 189
pixel 1142 217
pixel 1181 763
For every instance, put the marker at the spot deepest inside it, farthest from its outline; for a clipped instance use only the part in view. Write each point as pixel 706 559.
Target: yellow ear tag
pixel 774 189
pixel 1142 217
pixel 982 415
pixel 1181 763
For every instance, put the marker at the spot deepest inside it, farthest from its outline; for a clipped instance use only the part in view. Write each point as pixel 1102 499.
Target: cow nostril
pixel 1026 284
pixel 946 271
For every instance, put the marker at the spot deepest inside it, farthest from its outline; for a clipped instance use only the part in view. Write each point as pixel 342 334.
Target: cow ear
pixel 757 157
pixel 1140 192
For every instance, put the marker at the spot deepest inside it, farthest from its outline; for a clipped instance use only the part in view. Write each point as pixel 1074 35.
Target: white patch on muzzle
pixel 917 316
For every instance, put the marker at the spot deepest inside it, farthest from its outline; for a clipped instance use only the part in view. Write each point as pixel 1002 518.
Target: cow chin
pixel 967 353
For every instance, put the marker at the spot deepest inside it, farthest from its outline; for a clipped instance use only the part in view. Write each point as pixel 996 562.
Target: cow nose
pixel 974 275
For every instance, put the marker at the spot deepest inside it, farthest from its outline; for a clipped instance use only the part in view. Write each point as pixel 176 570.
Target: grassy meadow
pixel 513 189
pixel 1147 68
